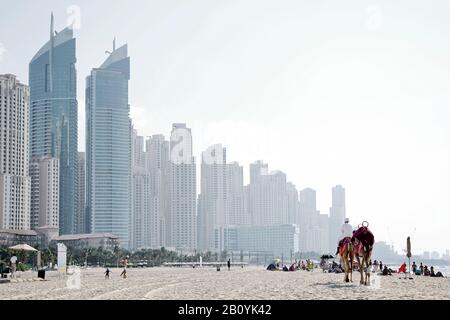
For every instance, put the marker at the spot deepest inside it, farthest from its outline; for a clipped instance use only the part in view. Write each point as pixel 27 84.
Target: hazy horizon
pixel 352 93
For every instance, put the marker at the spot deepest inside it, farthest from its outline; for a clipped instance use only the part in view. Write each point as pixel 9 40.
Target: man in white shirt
pixel 13 261
pixel 346 232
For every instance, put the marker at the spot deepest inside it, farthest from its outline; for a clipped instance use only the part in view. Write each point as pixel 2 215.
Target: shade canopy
pixel 22 247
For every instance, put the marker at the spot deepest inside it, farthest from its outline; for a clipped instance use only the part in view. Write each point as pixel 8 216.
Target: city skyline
pixel 384 191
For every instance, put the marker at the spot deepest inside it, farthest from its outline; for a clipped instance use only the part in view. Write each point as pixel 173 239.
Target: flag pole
pixel 409 255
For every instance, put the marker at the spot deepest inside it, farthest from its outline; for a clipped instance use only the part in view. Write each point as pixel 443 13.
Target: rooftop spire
pixel 52 22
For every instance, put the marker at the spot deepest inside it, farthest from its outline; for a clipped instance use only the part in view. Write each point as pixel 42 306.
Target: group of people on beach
pixel 124 271
pixel 307 265
pixel 377 267
pixel 424 271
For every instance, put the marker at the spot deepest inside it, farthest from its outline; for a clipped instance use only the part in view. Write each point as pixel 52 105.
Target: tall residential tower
pixel 54 115
pixel 14 156
pixel 108 147
pixel 182 224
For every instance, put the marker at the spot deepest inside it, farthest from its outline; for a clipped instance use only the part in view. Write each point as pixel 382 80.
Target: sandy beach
pixel 208 284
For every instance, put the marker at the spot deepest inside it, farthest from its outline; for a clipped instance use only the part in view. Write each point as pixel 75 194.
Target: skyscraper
pixel 213 196
pixel 82 223
pixel 182 227
pixel 268 198
pixel 149 191
pixel 309 221
pixel 45 175
pixel 236 213
pixel 140 228
pixel 108 146
pixel 54 115
pixel 14 154
pixel 157 162
pixel 293 204
pixel 337 214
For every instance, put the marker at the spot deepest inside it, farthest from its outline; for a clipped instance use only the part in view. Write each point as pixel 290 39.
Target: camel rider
pixel 346 232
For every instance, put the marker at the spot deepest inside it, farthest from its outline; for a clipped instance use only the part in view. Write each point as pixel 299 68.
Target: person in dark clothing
pixel 432 274
pixel 381 265
pixel 386 271
pixel 107 272
pixel 229 264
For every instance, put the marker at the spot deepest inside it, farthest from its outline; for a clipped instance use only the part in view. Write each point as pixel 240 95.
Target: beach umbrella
pixel 23 247
pixel 408 247
pixel 408 254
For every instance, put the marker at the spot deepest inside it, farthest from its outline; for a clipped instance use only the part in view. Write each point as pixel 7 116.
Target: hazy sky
pixel 330 92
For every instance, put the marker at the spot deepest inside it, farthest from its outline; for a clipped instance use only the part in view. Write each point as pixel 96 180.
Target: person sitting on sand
pixel 439 274
pixel 432 274
pixel 386 271
pixel 421 268
pixel 402 268
pixel 285 268
pixel 426 272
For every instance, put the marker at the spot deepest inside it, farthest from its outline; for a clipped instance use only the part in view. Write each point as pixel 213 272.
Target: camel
pixel 346 253
pixel 363 241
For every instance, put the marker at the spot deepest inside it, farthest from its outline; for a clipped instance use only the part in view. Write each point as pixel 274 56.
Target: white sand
pixel 240 284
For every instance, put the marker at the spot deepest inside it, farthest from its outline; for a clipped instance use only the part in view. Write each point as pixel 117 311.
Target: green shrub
pixel 23 267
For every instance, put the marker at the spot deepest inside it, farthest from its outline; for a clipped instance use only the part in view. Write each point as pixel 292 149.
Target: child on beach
pixel 107 272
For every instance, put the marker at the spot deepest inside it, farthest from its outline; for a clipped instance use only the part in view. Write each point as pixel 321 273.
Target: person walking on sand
pixel 421 268
pixel 229 264
pixel 107 272
pixel 125 264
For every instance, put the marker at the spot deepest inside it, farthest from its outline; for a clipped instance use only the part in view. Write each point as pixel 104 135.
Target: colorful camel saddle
pixel 363 239
pixel 344 243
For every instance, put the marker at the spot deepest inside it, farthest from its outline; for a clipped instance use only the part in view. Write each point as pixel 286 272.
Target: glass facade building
pixel 54 115
pixel 108 147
